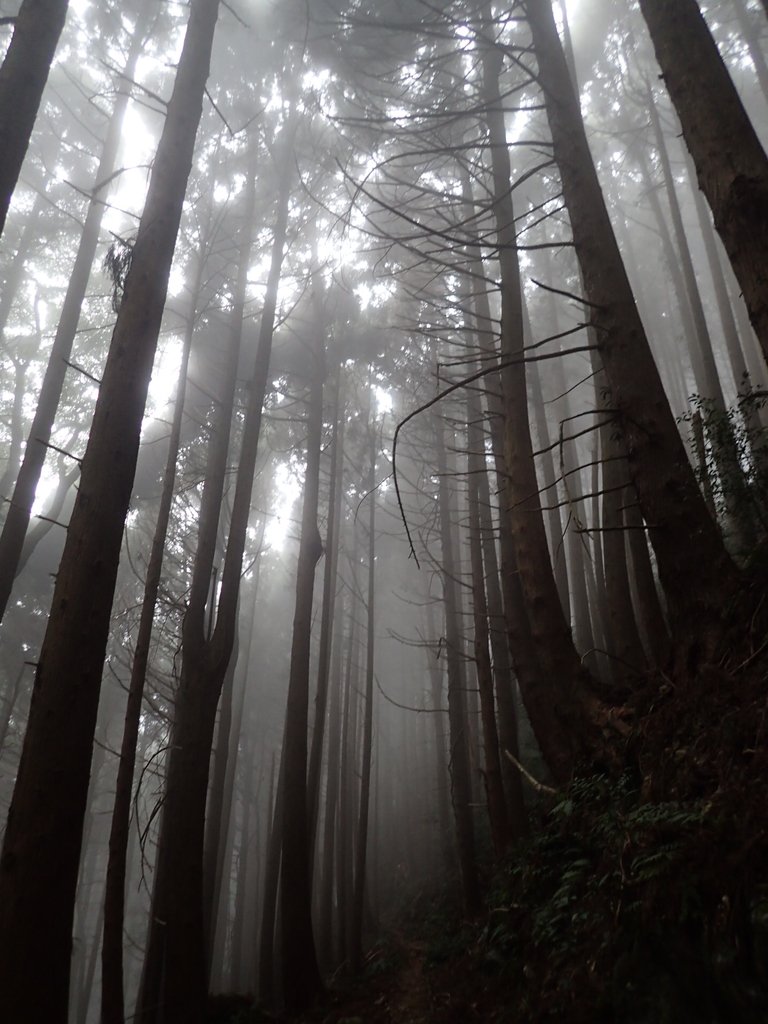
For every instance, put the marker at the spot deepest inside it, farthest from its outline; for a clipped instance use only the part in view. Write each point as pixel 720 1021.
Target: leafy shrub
pixel 615 910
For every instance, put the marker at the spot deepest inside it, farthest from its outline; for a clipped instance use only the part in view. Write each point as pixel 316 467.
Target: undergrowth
pixel 623 910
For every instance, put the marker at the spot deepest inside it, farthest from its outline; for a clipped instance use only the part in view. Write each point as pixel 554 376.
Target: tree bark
pixel 671 503
pixel 361 846
pixel 179 916
pixel 36 32
pixel 23 496
pixel 731 164
pixel 38 869
pixel 329 600
pixel 112 995
pixel 325 944
pixel 458 722
pixel 567 679
pixel 300 973
pixel 494 789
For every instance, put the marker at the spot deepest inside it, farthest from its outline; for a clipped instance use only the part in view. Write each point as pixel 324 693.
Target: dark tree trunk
pixel 179 915
pixel 442 795
pixel 345 835
pixel 361 845
pixel 23 496
pixel 112 995
pixel 681 526
pixel 300 973
pixel 567 679
pixel 38 869
pixel 216 822
pixel 266 969
pixel 458 720
pixel 23 76
pixel 731 164
pixel 325 943
pixel 329 600
pixel 494 789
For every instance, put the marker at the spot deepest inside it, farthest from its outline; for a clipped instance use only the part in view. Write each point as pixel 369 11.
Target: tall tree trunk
pixel 494 789
pixel 23 76
pixel 499 638
pixel 112 994
pixel 216 821
pixel 708 379
pixel 241 947
pixel 23 497
pixel 733 344
pixel 731 164
pixel 361 846
pixel 41 851
pixel 206 655
pixel 346 814
pixel 570 698
pixel 442 795
pixel 329 600
pixel 670 500
pixel 458 721
pixel 325 943
pixel 725 452
pixel 300 973
pixel 266 968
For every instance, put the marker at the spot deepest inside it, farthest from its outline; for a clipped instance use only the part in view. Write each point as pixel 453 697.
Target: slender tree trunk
pixel 736 353
pixel 502 663
pixel 112 995
pixel 569 683
pixel 623 637
pixel 708 379
pixel 23 496
pixel 650 613
pixel 216 823
pixel 206 656
pixel 671 503
pixel 731 164
pixel 23 76
pixel 220 820
pixel 243 910
pixel 266 968
pixel 361 846
pixel 494 789
pixel 724 448
pixel 458 722
pixel 325 943
pixel 15 441
pixel 38 868
pixel 442 795
pixel 300 973
pixel 329 601
pixel 344 835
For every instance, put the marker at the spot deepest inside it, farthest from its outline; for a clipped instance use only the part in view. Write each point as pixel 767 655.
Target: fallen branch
pixel 540 787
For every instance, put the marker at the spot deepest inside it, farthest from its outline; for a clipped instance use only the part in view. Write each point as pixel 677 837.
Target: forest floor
pixel 404 984
pixel 416 974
